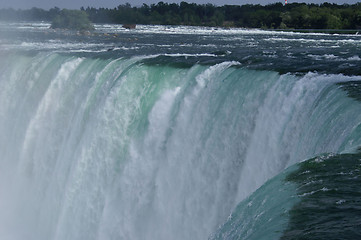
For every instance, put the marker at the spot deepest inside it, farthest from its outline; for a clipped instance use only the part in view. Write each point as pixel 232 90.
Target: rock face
pixel 72 20
pixel 129 26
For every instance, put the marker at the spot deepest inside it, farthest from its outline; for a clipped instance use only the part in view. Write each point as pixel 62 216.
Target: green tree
pixel 72 19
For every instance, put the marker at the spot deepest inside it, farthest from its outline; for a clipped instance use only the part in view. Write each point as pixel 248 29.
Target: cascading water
pixel 145 148
pixel 118 149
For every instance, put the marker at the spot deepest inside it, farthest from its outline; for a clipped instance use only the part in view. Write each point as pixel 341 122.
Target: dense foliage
pixel 72 19
pixel 273 16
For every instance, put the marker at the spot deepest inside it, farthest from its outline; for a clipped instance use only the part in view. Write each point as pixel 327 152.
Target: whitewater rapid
pixel 121 148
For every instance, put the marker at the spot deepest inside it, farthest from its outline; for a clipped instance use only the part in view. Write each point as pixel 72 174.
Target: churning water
pixel 162 132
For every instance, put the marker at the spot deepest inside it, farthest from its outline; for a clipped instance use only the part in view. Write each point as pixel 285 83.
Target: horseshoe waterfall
pixel 178 133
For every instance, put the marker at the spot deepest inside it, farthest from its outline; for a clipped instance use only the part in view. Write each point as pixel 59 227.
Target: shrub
pixel 72 19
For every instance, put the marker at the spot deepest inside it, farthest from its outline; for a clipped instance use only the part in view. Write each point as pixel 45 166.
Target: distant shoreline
pixel 298 17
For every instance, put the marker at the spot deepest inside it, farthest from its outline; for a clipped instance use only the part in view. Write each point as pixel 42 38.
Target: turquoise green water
pixel 328 187
pixel 315 199
pixel 172 135
pixel 265 214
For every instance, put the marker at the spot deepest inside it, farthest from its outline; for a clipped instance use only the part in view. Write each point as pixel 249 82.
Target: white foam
pixel 212 71
pixel 354 58
pixel 189 55
pixel 62 45
pixel 340 201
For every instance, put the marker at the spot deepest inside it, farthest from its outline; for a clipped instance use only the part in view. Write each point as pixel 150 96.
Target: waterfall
pixel 121 148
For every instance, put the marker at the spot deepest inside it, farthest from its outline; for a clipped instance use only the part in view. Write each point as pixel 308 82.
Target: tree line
pixel 272 16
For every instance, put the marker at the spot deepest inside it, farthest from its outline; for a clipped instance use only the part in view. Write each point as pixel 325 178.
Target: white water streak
pixel 122 150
